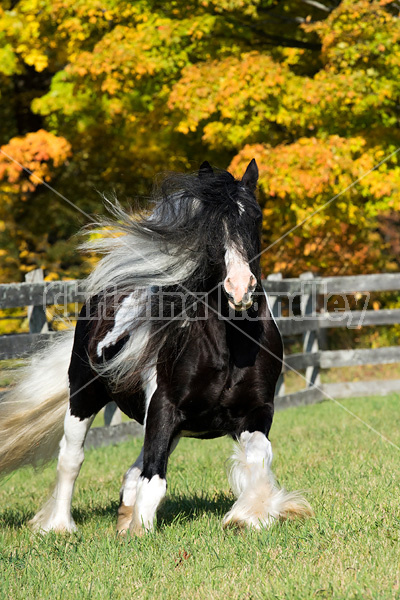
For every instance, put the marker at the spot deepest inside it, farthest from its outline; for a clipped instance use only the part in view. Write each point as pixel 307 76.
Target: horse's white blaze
pixel 239 282
pixel 126 314
pixel 259 501
pixel 56 513
pixel 149 494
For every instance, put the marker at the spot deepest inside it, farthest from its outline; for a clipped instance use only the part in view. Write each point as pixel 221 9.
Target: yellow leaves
pixel 300 178
pixel 246 7
pixel 138 72
pixel 309 169
pixel 34 58
pixel 357 33
pixel 52 276
pixel 238 95
pixel 8 60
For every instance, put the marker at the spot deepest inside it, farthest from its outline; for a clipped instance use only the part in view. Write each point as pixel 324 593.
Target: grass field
pixel 349 550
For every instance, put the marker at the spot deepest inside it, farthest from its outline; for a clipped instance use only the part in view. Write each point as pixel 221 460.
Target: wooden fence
pixel 316 295
pixel 300 307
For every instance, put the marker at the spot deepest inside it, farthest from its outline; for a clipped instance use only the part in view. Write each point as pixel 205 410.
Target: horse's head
pixel 204 231
pixel 239 218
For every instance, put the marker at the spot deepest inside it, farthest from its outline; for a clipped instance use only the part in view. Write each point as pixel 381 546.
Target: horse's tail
pixel 32 413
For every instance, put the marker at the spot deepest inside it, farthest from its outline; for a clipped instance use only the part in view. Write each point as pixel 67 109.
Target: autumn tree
pixel 100 96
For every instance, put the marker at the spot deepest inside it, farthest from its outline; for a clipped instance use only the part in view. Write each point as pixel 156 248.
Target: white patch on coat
pixel 149 494
pixel 128 311
pixel 240 207
pixel 129 484
pixel 56 513
pixel 131 477
pixel 254 451
pixel 259 502
pixel 128 492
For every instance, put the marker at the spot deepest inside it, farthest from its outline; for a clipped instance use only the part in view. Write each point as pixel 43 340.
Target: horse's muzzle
pixel 245 303
pixel 239 288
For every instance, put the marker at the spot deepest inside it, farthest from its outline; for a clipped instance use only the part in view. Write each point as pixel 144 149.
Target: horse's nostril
pixel 228 284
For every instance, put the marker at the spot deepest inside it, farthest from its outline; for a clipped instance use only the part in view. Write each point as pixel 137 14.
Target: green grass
pixel 349 550
pixel 294 382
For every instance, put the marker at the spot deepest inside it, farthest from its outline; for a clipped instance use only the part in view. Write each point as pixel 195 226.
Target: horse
pixel 177 330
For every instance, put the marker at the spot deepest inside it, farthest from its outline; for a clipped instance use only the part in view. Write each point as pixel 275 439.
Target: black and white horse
pixel 178 332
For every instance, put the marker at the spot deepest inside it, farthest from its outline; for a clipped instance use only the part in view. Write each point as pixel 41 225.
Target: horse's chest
pixel 206 387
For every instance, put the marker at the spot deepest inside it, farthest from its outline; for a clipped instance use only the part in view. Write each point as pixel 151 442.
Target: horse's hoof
pixel 235 525
pixel 137 530
pixel 57 527
pixel 125 514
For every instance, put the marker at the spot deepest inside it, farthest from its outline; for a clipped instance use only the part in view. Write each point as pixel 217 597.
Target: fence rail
pixel 382 282
pixel 307 292
pixel 14 295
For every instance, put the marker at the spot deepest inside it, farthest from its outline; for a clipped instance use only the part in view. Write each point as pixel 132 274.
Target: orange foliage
pixel 38 153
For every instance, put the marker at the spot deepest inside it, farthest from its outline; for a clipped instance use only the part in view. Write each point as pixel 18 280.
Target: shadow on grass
pixel 83 514
pixel 15 518
pixel 174 509
pixel 190 508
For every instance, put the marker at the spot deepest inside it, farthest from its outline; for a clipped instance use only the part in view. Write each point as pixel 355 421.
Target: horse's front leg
pixel 260 502
pixel 159 440
pixel 129 490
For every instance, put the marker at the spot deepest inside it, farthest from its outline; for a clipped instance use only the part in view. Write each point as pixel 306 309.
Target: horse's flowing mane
pixel 181 235
pixel 178 245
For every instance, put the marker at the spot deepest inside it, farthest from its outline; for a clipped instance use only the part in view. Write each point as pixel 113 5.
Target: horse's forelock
pixel 205 212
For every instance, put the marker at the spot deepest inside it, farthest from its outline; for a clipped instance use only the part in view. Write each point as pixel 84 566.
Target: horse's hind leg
pixel 56 513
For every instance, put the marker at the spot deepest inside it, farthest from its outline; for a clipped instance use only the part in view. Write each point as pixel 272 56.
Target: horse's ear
pixel 250 177
pixel 205 169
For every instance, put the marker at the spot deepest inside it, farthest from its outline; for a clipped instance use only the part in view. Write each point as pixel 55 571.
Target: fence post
pixel 276 307
pixel 308 308
pixel 112 415
pixel 36 314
